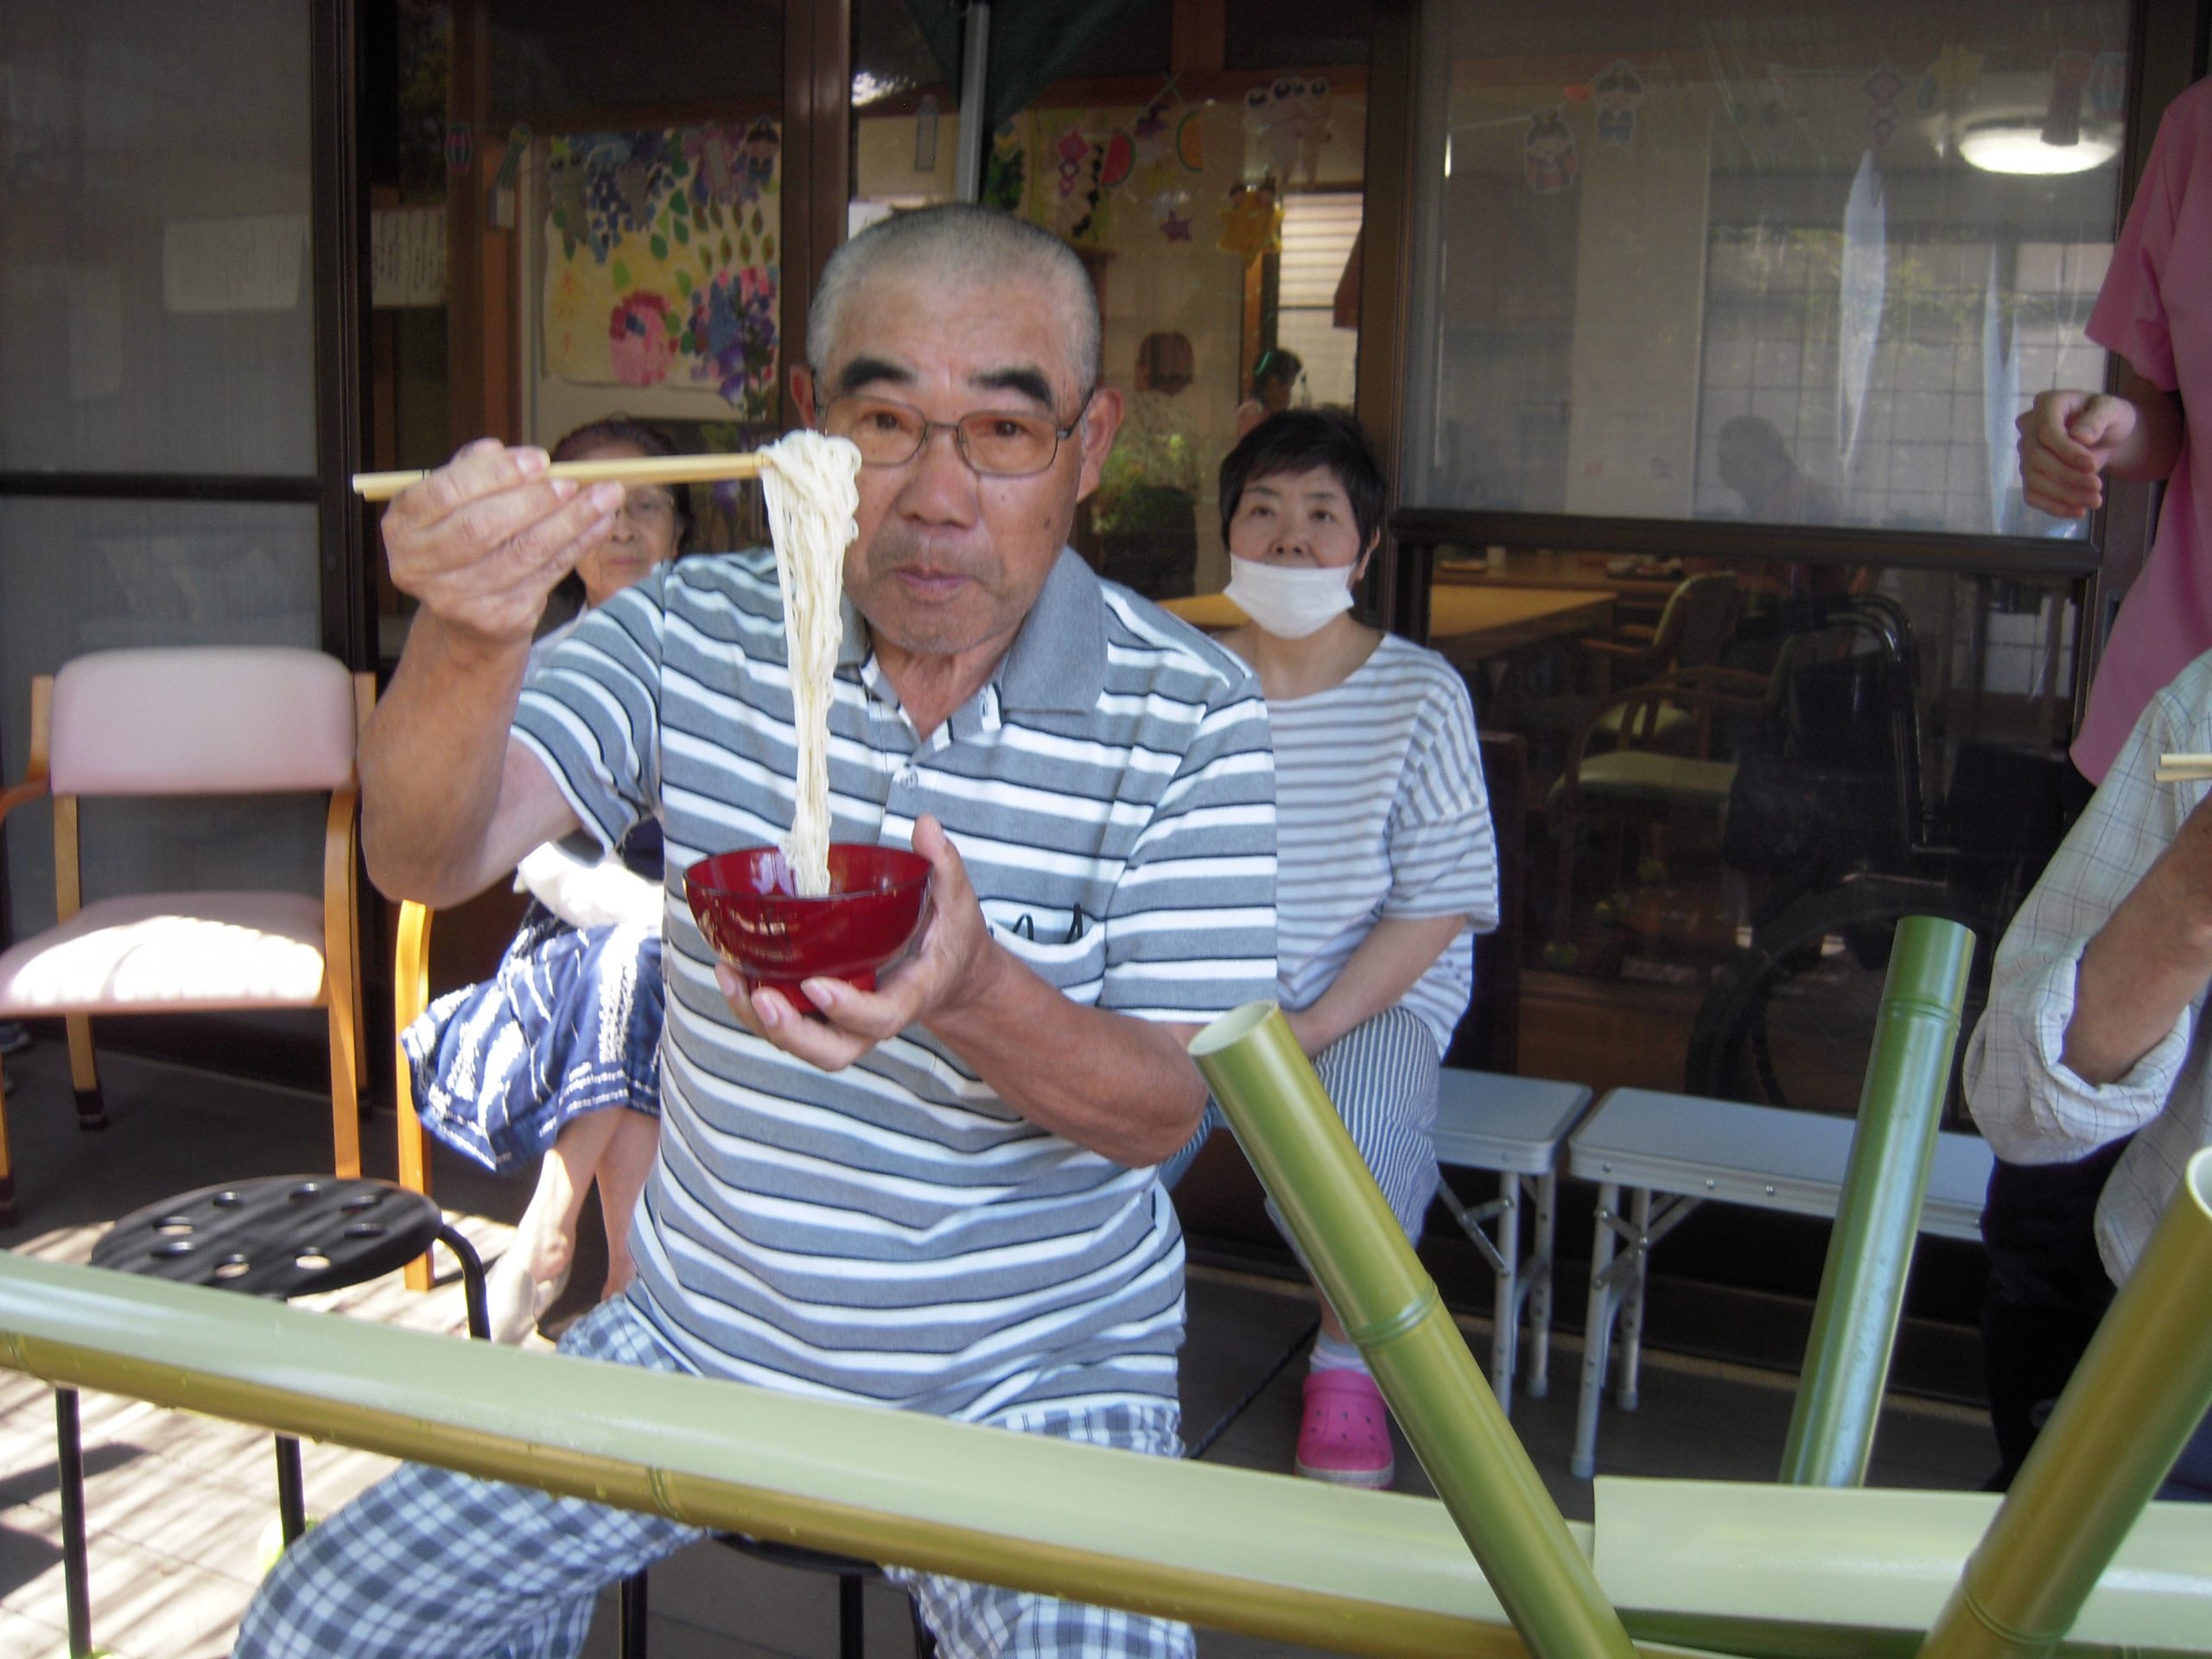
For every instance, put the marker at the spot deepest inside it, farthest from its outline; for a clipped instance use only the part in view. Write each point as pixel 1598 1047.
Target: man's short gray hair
pixel 955 242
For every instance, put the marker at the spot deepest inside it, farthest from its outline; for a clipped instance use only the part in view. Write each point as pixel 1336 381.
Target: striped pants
pixel 429 1564
pixel 1382 1078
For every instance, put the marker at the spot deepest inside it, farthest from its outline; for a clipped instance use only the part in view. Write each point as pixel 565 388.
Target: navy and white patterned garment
pixel 569 1024
pixel 429 1564
pixel 893 1232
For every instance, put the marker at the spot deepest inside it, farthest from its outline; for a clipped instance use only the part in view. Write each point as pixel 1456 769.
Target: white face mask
pixel 1289 601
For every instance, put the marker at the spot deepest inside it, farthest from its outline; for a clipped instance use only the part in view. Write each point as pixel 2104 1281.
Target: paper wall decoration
pixel 1289 119
pixel 1882 88
pixel 662 259
pixel 1617 93
pixel 1548 159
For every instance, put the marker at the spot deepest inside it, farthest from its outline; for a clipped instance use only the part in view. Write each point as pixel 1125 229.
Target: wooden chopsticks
pixel 625 470
pixel 2184 769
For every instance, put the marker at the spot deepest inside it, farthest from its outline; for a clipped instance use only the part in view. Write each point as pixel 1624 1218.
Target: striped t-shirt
pixel 893 1232
pixel 1380 813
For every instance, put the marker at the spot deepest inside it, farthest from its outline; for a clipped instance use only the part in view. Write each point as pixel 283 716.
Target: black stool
pixel 852 1574
pixel 281 1236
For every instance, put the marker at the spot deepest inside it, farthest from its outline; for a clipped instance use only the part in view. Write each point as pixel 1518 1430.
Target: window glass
pixel 76 576
pixel 156 296
pixel 1797 264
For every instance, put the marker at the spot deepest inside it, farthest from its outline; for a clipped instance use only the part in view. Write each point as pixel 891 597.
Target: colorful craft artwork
pixel 661 259
pixel 1882 88
pixel 1548 159
pixel 1251 222
pixel 1950 78
pixel 1289 120
pixel 1615 94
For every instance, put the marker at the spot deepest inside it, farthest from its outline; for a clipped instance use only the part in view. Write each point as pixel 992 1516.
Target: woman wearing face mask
pixel 1386 865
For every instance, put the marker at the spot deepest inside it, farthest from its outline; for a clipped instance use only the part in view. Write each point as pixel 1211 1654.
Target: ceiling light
pixel 2019 146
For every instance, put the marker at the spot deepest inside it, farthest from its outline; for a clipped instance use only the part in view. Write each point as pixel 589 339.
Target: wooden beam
pixel 1198 39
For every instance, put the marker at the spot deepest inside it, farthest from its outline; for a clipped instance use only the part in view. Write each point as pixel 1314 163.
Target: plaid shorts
pixel 429 1564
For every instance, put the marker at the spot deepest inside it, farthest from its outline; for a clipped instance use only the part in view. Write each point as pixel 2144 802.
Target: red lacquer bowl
pixel 746 906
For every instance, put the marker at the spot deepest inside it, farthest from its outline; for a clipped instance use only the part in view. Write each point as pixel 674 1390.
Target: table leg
pixel 1597 1336
pixel 1546 1188
pixel 1632 1307
pixel 1505 1327
pixel 76 1565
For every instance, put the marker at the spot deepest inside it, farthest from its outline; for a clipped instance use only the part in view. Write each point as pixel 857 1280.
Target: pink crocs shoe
pixel 1345 1436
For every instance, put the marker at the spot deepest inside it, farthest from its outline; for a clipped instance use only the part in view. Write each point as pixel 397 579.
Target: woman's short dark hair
pixel 646 441
pixel 1276 364
pixel 1298 440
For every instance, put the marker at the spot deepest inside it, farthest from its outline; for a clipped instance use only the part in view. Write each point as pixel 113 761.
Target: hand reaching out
pixel 483 541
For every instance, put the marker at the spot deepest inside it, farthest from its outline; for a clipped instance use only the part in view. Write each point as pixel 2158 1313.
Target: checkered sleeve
pixel 2030 1104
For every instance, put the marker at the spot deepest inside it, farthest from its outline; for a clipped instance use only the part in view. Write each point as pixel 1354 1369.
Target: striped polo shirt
pixel 1381 812
pixel 893 1232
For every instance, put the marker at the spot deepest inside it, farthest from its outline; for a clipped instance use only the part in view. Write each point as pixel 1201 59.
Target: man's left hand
pixel 951 967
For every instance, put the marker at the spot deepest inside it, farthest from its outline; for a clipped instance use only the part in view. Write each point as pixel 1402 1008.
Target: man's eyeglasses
pixel 997 442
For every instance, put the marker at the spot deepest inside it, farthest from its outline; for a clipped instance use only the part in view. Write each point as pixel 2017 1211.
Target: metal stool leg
pixel 76 1567
pixel 630 1622
pixel 472 1279
pixel 291 1490
pixel 851 1637
pixel 1540 1285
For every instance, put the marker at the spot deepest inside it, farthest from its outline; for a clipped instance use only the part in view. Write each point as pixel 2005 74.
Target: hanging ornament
pixel 1617 93
pixel 1274 119
pixel 1119 161
pixel 1311 121
pixel 1190 147
pixel 1251 223
pixel 460 146
pixel 1949 79
pixel 1549 160
pixel 1882 89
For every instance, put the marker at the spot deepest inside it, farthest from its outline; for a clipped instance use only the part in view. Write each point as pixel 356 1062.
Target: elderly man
pixel 940 1197
pixel 2096 1033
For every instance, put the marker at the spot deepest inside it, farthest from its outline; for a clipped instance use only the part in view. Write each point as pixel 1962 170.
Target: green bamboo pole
pixel 1878 1213
pixel 2130 1406
pixel 1763 1571
pixel 1389 1306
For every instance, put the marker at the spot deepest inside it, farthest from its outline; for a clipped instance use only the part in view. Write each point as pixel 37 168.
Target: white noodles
pixel 811 483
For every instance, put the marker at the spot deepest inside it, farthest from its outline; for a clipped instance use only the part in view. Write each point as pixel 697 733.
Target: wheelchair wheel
pixel 1790 1022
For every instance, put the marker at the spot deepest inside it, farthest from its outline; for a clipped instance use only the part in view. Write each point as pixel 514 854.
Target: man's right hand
pixel 482 540
pixel 2067 439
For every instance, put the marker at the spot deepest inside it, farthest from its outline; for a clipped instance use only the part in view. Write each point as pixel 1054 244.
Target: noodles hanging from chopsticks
pixel 811 485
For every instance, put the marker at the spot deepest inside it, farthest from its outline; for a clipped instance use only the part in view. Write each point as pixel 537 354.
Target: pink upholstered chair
pixel 194 721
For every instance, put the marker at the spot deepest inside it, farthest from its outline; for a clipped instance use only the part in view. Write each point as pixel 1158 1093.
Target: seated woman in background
pixel 1386 864
pixel 558 1054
